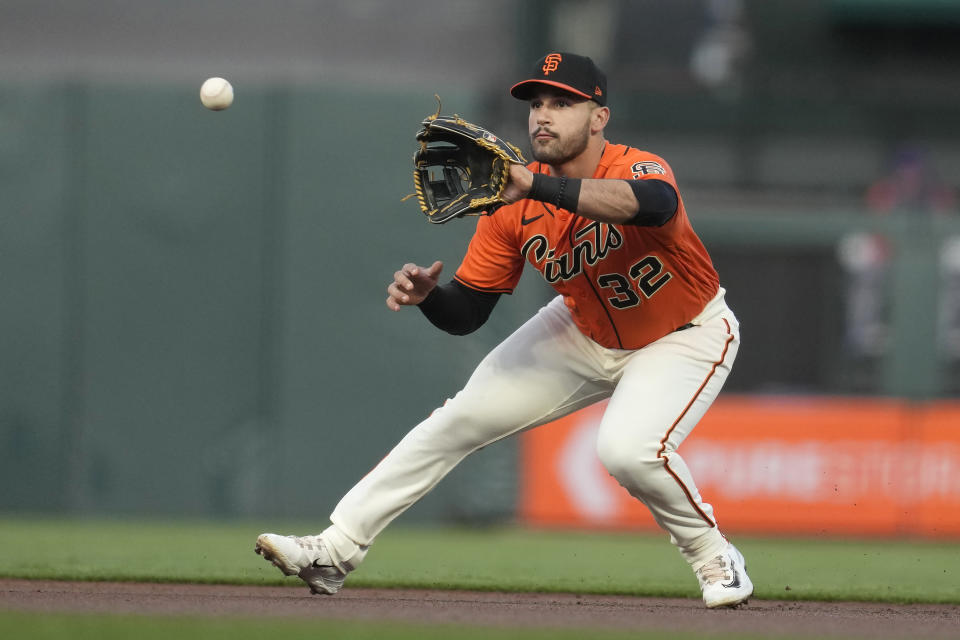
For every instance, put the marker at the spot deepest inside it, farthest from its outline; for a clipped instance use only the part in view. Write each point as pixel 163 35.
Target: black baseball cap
pixel 567 71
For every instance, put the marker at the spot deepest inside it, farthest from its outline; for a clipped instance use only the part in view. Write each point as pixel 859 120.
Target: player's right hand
pixel 411 284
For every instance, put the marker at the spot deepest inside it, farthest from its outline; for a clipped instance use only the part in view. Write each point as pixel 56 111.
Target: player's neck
pixel 585 164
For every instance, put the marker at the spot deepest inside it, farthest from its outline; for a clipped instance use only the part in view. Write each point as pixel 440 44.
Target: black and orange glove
pixel 460 169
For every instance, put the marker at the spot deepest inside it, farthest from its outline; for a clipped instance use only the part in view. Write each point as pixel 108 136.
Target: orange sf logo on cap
pixel 552 61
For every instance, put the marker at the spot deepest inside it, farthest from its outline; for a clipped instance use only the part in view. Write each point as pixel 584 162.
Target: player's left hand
pixel 518 185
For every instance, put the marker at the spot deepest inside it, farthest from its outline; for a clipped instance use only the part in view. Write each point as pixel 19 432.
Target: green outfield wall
pixel 193 318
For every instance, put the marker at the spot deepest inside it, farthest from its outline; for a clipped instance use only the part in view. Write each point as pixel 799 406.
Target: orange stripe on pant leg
pixel 663 443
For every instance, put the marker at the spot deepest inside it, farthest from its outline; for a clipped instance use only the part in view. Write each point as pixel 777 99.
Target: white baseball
pixel 216 94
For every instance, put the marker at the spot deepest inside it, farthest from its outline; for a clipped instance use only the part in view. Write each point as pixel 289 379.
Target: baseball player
pixel 640 319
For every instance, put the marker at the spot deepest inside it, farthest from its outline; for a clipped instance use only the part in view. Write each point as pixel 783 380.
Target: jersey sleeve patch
pixel 647 167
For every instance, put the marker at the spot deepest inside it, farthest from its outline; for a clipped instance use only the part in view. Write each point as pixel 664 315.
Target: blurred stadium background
pixel 193 319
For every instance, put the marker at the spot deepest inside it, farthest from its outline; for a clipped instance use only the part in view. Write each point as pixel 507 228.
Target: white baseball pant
pixel 543 371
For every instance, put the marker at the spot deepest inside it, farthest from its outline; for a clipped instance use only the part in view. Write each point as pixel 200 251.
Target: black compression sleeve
pixel 458 309
pixel 658 202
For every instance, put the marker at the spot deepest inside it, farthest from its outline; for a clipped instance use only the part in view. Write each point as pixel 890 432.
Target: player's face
pixel 559 127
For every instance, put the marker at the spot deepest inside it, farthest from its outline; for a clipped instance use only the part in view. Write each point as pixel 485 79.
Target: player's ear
pixel 599 118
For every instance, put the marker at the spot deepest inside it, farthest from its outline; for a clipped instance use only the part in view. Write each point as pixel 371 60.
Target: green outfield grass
pixel 508 559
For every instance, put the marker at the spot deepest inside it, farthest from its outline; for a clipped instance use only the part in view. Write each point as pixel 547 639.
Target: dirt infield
pixel 813 619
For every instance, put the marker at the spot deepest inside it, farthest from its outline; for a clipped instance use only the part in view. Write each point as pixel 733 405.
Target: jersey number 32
pixel 648 275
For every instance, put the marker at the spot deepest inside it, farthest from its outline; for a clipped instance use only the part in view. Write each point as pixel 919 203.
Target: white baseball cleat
pixel 306 557
pixel 724 580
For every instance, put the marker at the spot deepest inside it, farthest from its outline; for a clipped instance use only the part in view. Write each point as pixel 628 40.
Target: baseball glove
pixel 460 169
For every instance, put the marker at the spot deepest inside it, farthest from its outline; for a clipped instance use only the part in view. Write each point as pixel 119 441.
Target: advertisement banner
pixel 786 465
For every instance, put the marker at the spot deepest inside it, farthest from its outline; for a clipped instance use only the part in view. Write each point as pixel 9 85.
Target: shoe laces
pixel 716 569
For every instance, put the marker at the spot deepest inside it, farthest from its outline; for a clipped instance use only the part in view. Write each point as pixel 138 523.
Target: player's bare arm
pixel 611 201
pixel 648 202
pixel 411 284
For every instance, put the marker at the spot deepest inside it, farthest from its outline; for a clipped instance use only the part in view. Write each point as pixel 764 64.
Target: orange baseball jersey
pixel 625 285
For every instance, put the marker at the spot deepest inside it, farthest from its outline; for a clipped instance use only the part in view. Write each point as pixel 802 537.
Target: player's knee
pixel 628 464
